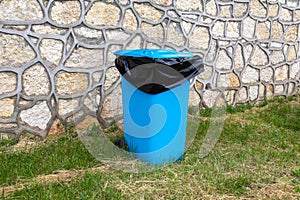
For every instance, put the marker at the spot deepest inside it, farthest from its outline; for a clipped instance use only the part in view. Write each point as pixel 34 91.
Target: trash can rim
pixel 154 53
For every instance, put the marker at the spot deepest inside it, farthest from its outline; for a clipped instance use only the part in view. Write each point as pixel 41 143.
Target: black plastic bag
pixel 156 75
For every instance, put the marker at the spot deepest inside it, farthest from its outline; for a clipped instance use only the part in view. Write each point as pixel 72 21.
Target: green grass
pixel 278 116
pixel 65 152
pixel 7 143
pixel 91 186
pixel 259 147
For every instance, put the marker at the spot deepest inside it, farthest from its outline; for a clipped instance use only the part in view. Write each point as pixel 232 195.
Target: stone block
pixel 162 2
pixel 279 89
pixel 194 98
pixel 295 70
pixel 136 42
pixel 35 81
pixel 233 30
pixel 86 58
pixel 51 50
pixel 281 73
pixel 273 10
pixel 189 5
pixel 7 126
pixel 285 15
pixel 67 106
pixel 257 9
pixel 240 9
pixel 218 29
pixel 186 27
pixel 223 62
pixel 277 30
pixel 89 36
pixel 291 34
pixel 242 95
pixel 260 57
pixel 229 97
pixel 269 91
pixel 112 105
pixel 154 32
pixel 7 107
pixel 15 27
pixel 14 50
pixel 225 11
pixel 239 62
pixel 25 10
pixel 253 92
pixel 263 31
pixel 110 57
pixel 210 97
pixel 207 73
pixel 67 83
pixel 210 56
pixel 65 12
pixel 250 75
pixel 248 27
pixel 297 15
pixel 175 35
pixel 100 14
pixel 262 91
pixel 248 48
pixel 146 11
pixel 292 53
pixel 111 76
pixel 200 38
pixel 199 85
pixel 276 46
pixel 37 116
pixel 8 82
pixel 48 29
pixel 97 76
pixel 92 100
pixel 211 8
pixel 129 21
pixel 266 74
pixel 277 57
pixel 229 80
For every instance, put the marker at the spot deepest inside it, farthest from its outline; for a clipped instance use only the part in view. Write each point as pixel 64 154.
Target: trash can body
pixel 155 124
pixel 155 93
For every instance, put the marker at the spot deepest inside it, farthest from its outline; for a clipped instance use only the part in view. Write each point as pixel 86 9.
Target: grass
pixel 64 152
pixel 88 187
pixel 7 143
pixel 256 157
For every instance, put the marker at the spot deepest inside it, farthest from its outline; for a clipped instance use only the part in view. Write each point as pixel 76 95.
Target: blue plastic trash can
pixel 155 121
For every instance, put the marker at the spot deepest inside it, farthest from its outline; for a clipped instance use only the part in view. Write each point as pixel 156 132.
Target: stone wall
pixel 56 58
